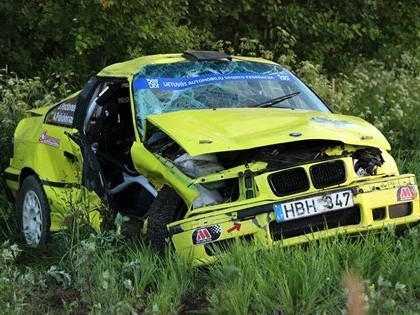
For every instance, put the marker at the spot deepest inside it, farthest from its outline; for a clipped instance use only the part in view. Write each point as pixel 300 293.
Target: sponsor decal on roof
pixel 183 83
pixel 206 234
pixel 46 139
pixel 406 193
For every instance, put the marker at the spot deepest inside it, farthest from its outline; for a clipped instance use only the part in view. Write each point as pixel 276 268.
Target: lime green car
pixel 200 149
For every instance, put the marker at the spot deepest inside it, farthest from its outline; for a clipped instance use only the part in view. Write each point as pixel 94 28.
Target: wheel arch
pixel 25 172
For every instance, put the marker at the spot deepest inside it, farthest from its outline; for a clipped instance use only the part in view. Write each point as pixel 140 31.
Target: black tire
pixel 33 212
pixel 164 210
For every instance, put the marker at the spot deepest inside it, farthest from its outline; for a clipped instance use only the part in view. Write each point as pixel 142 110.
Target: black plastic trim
pixel 10 176
pixel 58 184
pixel 205 55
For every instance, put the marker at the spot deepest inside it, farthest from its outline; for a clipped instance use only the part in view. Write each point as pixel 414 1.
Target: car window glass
pixel 63 113
pixel 178 86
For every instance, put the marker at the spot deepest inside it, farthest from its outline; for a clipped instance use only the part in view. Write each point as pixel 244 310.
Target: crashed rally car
pixel 202 148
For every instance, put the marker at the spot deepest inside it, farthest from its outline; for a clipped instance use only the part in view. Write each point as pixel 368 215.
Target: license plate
pixel 312 206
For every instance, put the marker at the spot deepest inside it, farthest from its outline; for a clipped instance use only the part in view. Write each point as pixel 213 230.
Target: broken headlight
pixel 367 161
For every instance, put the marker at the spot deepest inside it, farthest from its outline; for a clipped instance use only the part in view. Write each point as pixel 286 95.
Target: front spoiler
pixel 377 205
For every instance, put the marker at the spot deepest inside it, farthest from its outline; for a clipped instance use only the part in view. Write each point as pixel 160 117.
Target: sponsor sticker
pixel 46 139
pixel 183 83
pixel 334 122
pixel 62 114
pixel 206 234
pixel 406 193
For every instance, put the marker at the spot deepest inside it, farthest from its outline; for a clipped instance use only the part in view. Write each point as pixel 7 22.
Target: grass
pixel 125 277
pixel 84 273
pixel 408 161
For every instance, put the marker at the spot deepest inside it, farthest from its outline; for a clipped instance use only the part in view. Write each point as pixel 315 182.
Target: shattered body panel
pixel 249 151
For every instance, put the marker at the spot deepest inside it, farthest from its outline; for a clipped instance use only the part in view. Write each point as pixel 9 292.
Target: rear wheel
pixel 164 210
pixel 33 212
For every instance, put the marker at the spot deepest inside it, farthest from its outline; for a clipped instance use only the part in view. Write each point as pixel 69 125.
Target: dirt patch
pixel 57 300
pixel 194 304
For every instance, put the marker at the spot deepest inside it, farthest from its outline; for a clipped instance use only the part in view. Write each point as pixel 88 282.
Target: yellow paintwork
pixel 33 154
pixel 265 194
pixel 237 129
pixel 49 165
pixel 160 171
pixel 377 193
pixel 208 131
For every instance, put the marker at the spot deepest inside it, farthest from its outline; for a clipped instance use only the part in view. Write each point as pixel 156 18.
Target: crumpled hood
pixel 217 130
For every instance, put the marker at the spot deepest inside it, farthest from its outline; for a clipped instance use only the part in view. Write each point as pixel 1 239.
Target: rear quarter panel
pixel 41 147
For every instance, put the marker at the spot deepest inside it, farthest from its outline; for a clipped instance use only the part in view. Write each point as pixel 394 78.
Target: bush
pixel 386 98
pixel 16 97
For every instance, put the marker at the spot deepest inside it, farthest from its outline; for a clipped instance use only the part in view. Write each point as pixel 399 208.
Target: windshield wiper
pixel 277 100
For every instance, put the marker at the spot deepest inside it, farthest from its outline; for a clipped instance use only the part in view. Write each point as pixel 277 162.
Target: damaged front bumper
pixel 389 201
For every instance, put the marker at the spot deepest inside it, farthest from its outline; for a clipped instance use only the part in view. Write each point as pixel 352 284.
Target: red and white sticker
pixel 206 234
pixel 406 193
pixel 46 139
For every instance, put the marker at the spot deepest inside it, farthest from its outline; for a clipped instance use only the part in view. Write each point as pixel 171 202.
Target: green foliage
pixel 54 46
pixel 308 280
pixel 7 223
pixel 17 95
pixel 43 37
pixel 124 276
pixel 336 35
pixel 313 76
pixel 84 36
pixel 386 98
pixel 110 275
pixel 12 283
pixel 408 161
pixel 174 279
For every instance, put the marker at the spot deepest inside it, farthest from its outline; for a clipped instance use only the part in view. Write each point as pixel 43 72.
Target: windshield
pixel 163 88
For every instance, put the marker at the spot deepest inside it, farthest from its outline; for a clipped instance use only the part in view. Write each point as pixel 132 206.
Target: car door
pixel 60 163
pixel 101 124
pixel 82 149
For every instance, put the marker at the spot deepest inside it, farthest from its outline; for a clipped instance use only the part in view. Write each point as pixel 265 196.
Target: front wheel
pixel 164 210
pixel 33 212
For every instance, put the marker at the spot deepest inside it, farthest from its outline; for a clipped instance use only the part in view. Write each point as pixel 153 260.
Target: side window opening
pixel 110 131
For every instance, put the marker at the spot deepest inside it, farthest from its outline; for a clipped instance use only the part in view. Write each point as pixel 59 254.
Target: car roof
pixel 129 68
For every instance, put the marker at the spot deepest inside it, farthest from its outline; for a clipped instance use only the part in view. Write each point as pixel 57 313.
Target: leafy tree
pixel 335 34
pixel 83 36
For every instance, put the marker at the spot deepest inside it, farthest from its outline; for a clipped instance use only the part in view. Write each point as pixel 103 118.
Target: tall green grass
pixel 408 161
pixel 308 279
pixel 113 276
